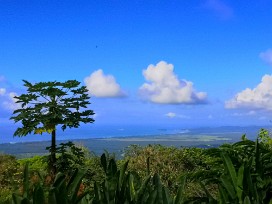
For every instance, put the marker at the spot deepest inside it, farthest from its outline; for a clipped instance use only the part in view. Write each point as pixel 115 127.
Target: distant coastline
pixel 198 137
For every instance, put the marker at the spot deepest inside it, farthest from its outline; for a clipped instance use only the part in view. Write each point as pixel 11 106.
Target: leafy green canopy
pixel 48 104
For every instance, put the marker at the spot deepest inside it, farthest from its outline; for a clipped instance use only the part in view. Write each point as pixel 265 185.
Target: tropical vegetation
pixel 49 104
pixel 232 173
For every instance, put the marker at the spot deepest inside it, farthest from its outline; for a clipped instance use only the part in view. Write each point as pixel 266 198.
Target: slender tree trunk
pixel 53 153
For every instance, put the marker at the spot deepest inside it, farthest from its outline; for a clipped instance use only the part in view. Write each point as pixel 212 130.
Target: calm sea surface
pixel 117 139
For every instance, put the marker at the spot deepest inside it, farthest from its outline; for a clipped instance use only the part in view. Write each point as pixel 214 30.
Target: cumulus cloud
pixel 220 8
pixel 267 56
pixel 101 85
pixel 164 87
pixel 8 100
pixel 259 97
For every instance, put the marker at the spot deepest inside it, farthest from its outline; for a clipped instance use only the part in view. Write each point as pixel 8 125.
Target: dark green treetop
pixel 48 104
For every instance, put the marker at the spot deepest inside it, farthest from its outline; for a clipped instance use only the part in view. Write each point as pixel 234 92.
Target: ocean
pixel 116 139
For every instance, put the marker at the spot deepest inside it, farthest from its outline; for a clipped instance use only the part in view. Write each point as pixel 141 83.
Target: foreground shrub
pixel 8 168
pixel 36 164
pixel 233 173
pixel 61 191
pixel 123 186
pixel 170 163
pixel 242 172
pixel 8 176
pixel 119 186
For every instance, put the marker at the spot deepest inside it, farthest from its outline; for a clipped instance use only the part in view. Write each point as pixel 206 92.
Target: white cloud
pixel 174 115
pixel 220 8
pixel 170 115
pixel 164 87
pixel 101 85
pixel 2 91
pixel 250 113
pixel 259 97
pixel 9 101
pixel 267 56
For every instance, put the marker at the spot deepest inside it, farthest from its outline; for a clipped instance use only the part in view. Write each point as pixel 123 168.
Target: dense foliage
pixel 232 173
pixel 49 104
pixel 170 163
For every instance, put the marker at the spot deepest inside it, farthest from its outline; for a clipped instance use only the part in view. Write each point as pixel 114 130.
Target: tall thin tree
pixel 49 104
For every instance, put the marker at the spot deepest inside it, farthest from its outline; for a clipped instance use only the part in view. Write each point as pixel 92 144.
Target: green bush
pixel 5 194
pixel 36 163
pixel 9 176
pixel 60 192
pixel 119 187
pixel 8 168
pixel 169 162
pixel 242 173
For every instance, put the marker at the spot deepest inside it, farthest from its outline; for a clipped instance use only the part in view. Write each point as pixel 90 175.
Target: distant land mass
pixel 203 137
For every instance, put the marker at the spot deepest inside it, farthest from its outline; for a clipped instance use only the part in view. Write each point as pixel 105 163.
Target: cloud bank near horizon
pixel 164 87
pixel 104 86
pixel 259 97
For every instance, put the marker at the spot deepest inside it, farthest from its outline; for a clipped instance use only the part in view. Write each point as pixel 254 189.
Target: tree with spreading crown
pixel 49 104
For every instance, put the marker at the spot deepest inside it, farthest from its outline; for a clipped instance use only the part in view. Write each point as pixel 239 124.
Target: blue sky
pixel 182 63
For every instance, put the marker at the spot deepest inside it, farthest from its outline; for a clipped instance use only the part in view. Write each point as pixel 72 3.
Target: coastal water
pixel 92 131
pixel 116 139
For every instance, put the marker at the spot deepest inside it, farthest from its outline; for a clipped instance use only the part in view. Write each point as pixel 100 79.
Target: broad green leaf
pixel 16 199
pixel 26 181
pixel 38 195
pixel 74 184
pixel 103 160
pixel 223 195
pixel 122 174
pixel 179 197
pixel 247 200
pixel 166 196
pixel 228 186
pixel 158 187
pixel 239 186
pixel 143 188
pixel 230 168
pixel 131 187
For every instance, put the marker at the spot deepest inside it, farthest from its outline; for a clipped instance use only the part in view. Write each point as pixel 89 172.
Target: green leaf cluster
pixel 242 172
pixel 119 186
pixel 48 104
pixel 170 163
pixel 61 191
